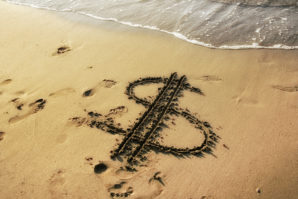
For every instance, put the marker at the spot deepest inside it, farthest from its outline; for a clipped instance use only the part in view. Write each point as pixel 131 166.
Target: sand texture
pixel 94 109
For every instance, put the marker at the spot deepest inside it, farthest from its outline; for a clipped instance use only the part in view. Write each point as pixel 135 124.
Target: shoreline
pixel 58 66
pixel 175 34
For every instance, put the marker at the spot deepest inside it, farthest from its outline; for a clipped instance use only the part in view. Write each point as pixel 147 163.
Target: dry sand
pixel 250 99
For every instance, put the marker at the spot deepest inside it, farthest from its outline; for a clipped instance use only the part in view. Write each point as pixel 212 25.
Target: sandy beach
pixel 62 75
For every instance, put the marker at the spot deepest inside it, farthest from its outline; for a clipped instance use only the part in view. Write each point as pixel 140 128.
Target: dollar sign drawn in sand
pixel 144 135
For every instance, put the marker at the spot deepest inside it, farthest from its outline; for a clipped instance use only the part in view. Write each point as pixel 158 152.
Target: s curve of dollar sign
pixel 144 135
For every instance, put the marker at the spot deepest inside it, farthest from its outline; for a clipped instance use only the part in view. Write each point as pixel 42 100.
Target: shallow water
pixel 230 24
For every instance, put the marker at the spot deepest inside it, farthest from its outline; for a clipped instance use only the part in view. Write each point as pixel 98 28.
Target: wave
pixel 224 25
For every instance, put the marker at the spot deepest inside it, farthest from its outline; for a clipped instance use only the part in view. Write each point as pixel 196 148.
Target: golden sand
pixel 49 60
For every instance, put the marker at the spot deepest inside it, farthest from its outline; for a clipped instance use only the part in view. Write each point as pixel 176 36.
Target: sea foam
pixel 207 23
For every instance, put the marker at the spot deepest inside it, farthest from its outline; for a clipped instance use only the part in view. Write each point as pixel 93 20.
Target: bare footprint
pixel 210 78
pixel 122 182
pixel 118 190
pixel 136 181
pixel 62 92
pixel 105 83
pixel 2 135
pixel 37 105
pixel 122 188
pixel 4 82
pixel 33 108
pixel 286 88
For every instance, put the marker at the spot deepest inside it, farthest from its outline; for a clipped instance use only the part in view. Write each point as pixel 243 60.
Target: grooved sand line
pixel 142 138
pixel 148 134
pixel 143 118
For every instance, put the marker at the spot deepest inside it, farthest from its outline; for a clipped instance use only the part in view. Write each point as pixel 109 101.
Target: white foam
pixel 253 45
pixel 193 41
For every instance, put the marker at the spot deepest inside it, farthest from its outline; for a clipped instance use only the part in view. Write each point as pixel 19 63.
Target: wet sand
pixel 64 89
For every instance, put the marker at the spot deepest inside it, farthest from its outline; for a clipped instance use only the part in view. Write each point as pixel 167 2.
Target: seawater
pixel 228 24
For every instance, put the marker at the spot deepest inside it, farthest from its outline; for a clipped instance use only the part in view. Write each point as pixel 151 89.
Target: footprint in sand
pixel 121 182
pixel 2 135
pixel 56 183
pixel 33 108
pixel 131 184
pixel 286 88
pixel 106 83
pixel 4 82
pixel 121 187
pixel 120 190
